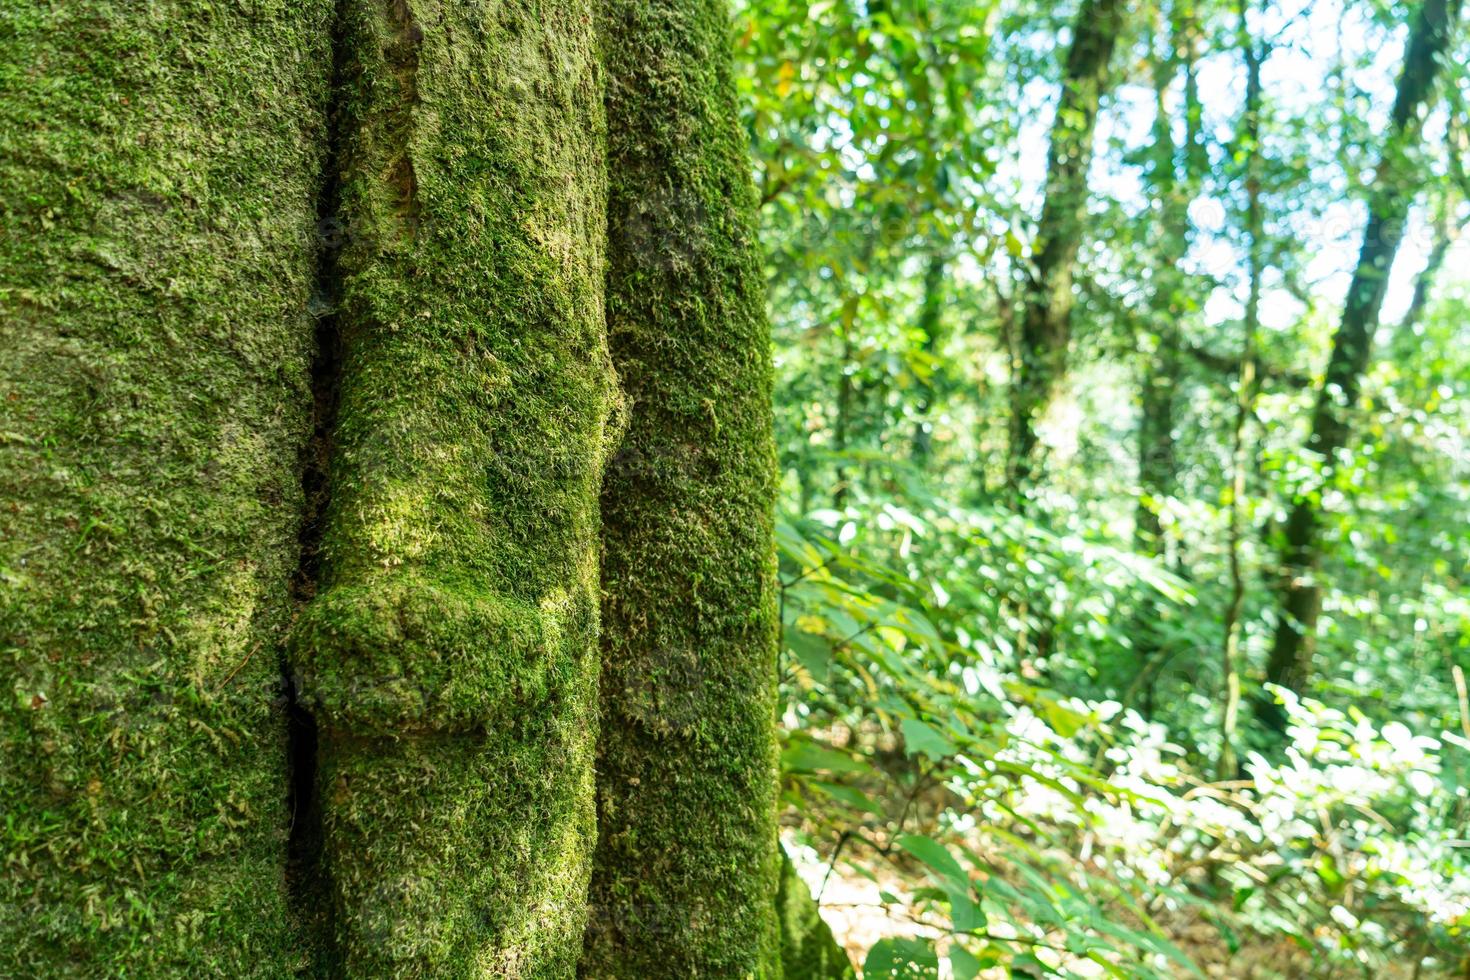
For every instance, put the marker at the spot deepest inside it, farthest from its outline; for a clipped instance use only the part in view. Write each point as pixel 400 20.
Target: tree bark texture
pixel 449 653
pixel 160 164
pixel 685 876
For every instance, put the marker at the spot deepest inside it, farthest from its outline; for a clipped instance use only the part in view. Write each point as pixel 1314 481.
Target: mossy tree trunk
pixel 1393 190
pixel 449 654
pixel 1172 182
pixel 685 877
pixel 809 951
pixel 444 654
pixel 1046 318
pixel 160 164
pixel 1253 54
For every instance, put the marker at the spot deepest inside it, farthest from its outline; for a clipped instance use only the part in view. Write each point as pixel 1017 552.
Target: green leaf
pixel 1064 721
pixel 962 963
pixel 964 914
pixel 919 737
pixel 813 652
pixel 1147 942
pixel 937 857
pixel 856 799
pixel 1027 965
pixel 805 755
pixel 901 958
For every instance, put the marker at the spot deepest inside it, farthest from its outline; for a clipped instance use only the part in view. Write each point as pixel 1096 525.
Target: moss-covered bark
pixel 686 870
pixel 808 949
pixel 160 165
pixel 449 655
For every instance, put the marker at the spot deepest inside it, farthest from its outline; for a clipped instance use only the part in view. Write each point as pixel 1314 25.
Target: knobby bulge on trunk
pixel 159 262
pixel 449 652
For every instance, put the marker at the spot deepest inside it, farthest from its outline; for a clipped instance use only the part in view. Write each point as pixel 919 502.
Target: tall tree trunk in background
pixel 1157 465
pixel 1446 234
pixel 449 654
pixel 686 869
pixel 931 308
pixel 1172 185
pixel 843 423
pixel 1245 394
pixel 160 163
pixel 846 394
pixel 1046 328
pixel 1392 194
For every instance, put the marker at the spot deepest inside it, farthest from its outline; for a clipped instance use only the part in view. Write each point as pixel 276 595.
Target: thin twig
pixel 240 666
pixel 810 571
pixel 836 853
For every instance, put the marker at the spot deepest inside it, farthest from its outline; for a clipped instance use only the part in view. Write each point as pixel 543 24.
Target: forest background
pixel 1121 406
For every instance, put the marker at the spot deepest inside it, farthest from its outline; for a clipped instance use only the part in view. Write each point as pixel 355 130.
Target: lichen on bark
pixel 160 164
pixel 685 875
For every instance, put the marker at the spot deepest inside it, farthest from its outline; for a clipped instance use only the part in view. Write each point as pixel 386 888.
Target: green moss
pixel 685 875
pixel 160 164
pixel 450 655
pixel 426 655
pixel 808 950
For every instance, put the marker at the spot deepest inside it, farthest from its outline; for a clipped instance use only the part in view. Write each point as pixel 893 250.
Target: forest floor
pixel 853 906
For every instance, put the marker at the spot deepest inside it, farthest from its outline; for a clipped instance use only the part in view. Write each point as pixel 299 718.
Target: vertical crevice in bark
pixel 310 918
pixel 401 55
pixel 304 841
